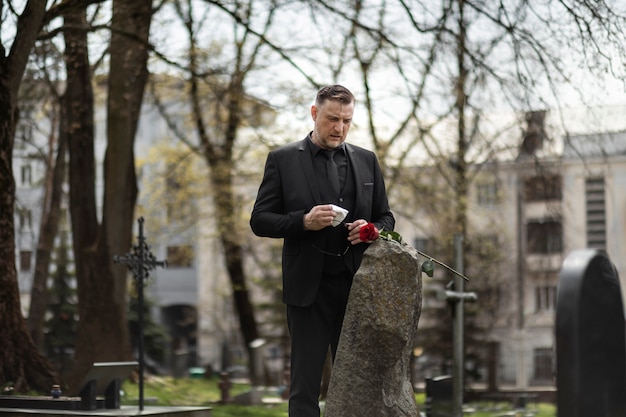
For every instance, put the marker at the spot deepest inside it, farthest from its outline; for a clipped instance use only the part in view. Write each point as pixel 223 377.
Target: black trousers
pixel 313 329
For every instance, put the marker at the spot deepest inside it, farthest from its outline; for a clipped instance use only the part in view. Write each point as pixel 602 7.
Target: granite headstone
pixel 590 338
pixel 371 373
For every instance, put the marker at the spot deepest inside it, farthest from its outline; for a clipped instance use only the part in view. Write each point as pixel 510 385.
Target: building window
pixel 544 237
pixel 487 193
pixel 596 213
pixel 25 220
pixel 25 259
pixel 179 256
pixel 542 365
pixel 543 188
pixel 26 175
pixel 545 298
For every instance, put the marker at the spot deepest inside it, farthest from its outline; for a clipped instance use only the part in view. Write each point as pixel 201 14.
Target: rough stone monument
pixel 371 373
pixel 590 338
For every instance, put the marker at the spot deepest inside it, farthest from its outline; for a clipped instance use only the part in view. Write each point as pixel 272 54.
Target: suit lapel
pixel 358 179
pixel 306 163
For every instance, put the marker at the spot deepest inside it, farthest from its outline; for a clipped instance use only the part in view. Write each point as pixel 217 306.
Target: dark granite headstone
pixel 104 379
pixel 590 338
pixel 439 396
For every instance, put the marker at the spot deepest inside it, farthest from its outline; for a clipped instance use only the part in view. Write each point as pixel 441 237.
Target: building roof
pixel 595 145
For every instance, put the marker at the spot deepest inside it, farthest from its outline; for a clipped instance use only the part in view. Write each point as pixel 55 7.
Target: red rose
pixel 368 233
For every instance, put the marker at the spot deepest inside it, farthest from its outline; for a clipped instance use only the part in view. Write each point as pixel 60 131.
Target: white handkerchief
pixel 341 214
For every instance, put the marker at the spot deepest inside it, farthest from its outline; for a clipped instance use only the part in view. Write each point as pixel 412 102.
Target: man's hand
pixel 319 217
pixel 354 230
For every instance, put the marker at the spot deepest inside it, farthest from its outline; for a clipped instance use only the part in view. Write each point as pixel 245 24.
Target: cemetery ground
pixel 205 392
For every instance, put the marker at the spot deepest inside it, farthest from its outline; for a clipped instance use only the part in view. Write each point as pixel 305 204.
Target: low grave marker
pixel 100 390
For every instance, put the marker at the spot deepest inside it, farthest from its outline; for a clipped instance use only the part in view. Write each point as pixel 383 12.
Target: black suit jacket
pixel 289 190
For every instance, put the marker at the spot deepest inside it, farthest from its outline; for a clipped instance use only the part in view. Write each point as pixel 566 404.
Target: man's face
pixel 332 122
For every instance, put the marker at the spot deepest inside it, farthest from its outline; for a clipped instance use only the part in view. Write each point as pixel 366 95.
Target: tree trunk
pixel 102 333
pixel 233 254
pixel 55 175
pixel 462 142
pixel 241 295
pixel 219 158
pixel 227 214
pixel 90 271
pixel 20 361
pixel 127 80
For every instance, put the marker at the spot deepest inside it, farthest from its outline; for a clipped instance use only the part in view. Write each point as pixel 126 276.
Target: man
pixel 295 202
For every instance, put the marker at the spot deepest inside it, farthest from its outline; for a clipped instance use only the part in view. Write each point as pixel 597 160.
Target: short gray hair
pixel 334 92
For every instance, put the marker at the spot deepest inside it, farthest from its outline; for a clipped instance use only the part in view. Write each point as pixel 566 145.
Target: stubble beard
pixel 329 144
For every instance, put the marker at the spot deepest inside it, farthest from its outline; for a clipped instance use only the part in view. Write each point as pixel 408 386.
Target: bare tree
pixel 219 109
pixel 20 361
pixel 53 156
pixel 437 62
pixel 102 333
pixel 431 72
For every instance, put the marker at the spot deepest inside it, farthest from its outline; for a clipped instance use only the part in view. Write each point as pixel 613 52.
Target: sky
pixel 288 90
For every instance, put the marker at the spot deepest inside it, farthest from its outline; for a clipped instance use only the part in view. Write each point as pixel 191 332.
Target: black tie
pixel 331 170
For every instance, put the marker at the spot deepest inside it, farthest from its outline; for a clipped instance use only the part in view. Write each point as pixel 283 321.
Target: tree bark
pixel 222 178
pixel 53 191
pixel 462 142
pixel 127 80
pixel 102 333
pixel 20 361
pixel 79 109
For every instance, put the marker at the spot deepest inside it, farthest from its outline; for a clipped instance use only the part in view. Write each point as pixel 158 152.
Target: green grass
pixel 172 391
pixel 249 411
pixel 500 409
pixel 204 392
pixel 201 392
